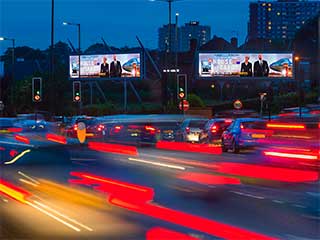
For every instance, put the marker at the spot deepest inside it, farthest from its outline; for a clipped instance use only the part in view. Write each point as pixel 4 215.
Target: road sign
pixel 237 104
pixel 185 105
pixel 1 106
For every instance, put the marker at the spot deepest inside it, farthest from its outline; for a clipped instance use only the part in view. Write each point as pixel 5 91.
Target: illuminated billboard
pixel 105 66
pixel 272 65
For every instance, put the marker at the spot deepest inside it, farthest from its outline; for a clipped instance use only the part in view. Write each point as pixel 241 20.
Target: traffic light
pixel 182 86
pixel 37 89
pixel 76 91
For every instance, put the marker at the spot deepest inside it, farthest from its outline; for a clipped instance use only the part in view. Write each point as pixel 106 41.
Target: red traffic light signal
pixel 76 91
pixel 181 95
pixel 36 89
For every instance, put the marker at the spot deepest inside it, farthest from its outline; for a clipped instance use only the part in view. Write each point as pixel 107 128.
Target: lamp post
pixel 297 73
pixel 79 49
pixel 169 44
pixel 12 63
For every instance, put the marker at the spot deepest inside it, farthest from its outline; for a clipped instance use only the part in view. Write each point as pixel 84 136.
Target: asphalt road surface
pixel 52 190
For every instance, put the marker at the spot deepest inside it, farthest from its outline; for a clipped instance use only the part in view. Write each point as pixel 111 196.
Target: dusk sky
pixel 117 21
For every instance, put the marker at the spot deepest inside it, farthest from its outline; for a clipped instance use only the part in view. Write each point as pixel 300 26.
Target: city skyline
pixel 126 23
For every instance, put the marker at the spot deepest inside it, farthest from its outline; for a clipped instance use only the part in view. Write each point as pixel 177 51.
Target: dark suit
pixel 261 70
pixel 246 69
pixel 115 69
pixel 104 70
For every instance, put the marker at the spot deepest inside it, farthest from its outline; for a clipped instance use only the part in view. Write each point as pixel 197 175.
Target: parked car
pixel 243 133
pixel 213 130
pixel 190 129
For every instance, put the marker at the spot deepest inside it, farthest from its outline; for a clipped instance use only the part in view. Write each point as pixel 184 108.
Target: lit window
pixel 269 23
pixel 263 4
pixel 278 13
pixel 269 9
pixel 269 27
pixel 269 4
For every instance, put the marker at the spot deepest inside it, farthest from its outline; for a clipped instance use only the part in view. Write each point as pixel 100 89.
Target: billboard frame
pixel 226 78
pixel 92 79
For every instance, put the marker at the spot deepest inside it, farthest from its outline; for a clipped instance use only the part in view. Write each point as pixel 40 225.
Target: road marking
pixel 53 216
pixel 28 182
pixel 64 216
pixel 247 195
pixel 158 164
pixel 19 144
pixel 83 159
pixel 298 206
pixel 28 177
pixel 278 201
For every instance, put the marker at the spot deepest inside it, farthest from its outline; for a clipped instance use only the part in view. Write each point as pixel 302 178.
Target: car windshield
pixel 254 125
pixel 197 123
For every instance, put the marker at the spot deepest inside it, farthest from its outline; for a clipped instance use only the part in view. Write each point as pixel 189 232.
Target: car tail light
pixel 151 129
pixel 117 129
pixel 214 129
pixel 100 127
pixel 187 130
pixel 75 127
pixel 228 121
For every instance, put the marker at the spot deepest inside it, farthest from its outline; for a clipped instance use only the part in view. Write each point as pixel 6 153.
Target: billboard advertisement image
pixel 105 66
pixel 272 65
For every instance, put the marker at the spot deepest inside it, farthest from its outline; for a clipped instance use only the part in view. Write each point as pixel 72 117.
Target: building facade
pixel 181 36
pixel 279 20
pixel 193 30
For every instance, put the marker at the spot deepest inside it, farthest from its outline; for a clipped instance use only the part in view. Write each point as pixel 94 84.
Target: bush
pixel 99 109
pixel 195 101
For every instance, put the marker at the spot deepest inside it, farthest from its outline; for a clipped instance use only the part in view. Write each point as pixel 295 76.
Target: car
pixel 243 133
pixel 31 122
pixel 190 129
pixel 213 130
pixel 94 128
pixel 6 124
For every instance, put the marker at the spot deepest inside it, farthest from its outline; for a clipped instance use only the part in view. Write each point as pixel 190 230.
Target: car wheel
pixel 235 147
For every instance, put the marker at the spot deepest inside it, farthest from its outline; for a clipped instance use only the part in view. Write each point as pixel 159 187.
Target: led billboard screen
pixel 273 65
pixel 105 66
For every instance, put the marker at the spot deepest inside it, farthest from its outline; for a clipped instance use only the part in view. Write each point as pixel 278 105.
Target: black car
pixel 213 130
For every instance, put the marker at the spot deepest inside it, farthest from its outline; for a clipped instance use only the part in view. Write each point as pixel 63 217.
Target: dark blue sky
pixel 118 21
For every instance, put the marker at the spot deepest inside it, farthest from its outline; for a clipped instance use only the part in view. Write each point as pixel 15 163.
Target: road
pixel 76 191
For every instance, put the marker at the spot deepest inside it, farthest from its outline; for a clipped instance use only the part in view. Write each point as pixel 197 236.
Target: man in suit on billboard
pixel 246 68
pixel 104 69
pixel 261 68
pixel 115 67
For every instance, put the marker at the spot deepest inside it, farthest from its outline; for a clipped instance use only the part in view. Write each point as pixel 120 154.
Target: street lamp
pixel 169 12
pixel 297 73
pixel 169 42
pixel 13 47
pixel 79 48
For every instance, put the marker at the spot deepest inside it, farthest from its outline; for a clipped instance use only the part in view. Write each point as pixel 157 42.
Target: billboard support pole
pixel 101 92
pixel 125 95
pixel 135 91
pixel 91 92
pixel 150 58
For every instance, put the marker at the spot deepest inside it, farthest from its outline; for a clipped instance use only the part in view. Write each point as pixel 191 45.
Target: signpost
pixel 1 107
pixel 184 105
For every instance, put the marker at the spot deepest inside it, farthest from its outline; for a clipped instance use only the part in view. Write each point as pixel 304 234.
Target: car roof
pixel 250 120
